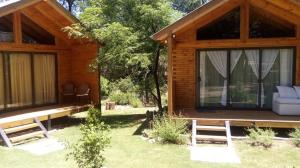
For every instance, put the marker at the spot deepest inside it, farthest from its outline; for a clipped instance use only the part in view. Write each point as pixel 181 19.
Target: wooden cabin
pixel 37 57
pixel 226 58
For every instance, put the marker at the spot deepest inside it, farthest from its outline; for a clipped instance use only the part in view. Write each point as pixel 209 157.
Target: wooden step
pixel 26 136
pixel 210 128
pixel 20 128
pixel 211 138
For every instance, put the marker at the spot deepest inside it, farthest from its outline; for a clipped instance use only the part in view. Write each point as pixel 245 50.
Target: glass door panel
pixel 2 82
pixel 213 78
pixel 20 80
pixel 244 75
pixel 44 79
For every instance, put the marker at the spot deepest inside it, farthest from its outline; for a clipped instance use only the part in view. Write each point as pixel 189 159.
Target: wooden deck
pixel 21 117
pixel 243 118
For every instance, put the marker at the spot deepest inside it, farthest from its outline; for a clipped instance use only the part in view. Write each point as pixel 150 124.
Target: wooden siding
pixel 185 46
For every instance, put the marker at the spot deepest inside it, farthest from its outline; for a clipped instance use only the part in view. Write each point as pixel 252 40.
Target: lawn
pixel 129 150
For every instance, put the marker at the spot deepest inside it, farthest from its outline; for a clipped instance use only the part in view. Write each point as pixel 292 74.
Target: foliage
pixel 124 28
pixel 104 84
pixel 295 135
pixel 261 137
pixel 170 130
pixel 187 6
pixel 88 151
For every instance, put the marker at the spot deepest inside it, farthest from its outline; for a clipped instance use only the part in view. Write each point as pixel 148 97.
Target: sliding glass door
pixel 27 80
pixel 243 78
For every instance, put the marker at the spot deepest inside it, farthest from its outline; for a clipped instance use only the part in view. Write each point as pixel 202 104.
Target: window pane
pixel 6 28
pixel 1 82
pixel 244 80
pixel 33 33
pixel 20 80
pixel 263 25
pixel 213 73
pixel 44 78
pixel 227 27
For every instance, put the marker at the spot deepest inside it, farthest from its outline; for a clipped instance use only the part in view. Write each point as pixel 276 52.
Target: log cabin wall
pixel 82 56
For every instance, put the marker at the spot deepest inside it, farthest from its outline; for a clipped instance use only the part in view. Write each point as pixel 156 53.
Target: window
pixel 243 78
pixel 27 80
pixel 34 34
pixel 6 28
pixel 227 27
pixel 264 25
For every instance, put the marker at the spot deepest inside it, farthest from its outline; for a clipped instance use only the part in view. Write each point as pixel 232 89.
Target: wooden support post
pixel 170 75
pixel 5 138
pixel 45 132
pixel 49 122
pixel 17 27
pixel 194 133
pixel 228 134
pixel 244 20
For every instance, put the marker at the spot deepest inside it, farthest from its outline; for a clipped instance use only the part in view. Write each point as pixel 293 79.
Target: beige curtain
pixel 44 78
pixel 21 80
pixel 1 82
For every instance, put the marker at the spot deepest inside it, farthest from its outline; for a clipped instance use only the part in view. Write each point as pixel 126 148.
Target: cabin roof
pixel 10 6
pixel 292 6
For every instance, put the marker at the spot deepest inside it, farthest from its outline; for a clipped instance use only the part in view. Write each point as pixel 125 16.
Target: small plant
pixel 135 102
pixel 261 137
pixel 166 129
pixel 88 150
pixel 295 135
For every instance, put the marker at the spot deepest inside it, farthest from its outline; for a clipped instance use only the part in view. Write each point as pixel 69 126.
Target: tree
pixel 125 27
pixel 187 6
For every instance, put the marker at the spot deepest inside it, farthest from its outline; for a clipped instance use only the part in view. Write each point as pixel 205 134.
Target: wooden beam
pixel 298 65
pixel 62 10
pixel 298 31
pixel 170 75
pixel 245 10
pixel 17 27
pixel 275 10
pixel 30 47
pixel 272 42
pixel 17 6
pixel 288 5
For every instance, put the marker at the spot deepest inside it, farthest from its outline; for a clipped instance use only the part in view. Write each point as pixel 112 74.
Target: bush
pixel 88 151
pixel 261 137
pixel 119 97
pixel 104 84
pixel 170 130
pixel 135 102
pixel 295 135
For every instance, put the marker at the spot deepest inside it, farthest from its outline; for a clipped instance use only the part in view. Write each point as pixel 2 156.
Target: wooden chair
pixel 83 91
pixel 68 91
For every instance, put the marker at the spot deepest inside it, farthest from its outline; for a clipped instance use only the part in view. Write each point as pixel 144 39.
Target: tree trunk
pixel 156 77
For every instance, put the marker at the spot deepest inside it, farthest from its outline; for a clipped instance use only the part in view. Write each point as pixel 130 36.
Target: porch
pixel 244 118
pixel 22 117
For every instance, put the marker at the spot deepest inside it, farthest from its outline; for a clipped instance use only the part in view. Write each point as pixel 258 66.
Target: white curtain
pixel 253 59
pixel 269 57
pixel 219 61
pixel 44 78
pixel 235 56
pixel 286 64
pixel 203 77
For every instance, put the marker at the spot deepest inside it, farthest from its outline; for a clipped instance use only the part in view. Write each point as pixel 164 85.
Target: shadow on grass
pixel 124 121
pixel 64 122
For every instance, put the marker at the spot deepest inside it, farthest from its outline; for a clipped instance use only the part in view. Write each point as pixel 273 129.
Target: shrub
pixel 104 84
pixel 119 97
pixel 261 137
pixel 170 130
pixel 295 135
pixel 88 150
pixel 135 102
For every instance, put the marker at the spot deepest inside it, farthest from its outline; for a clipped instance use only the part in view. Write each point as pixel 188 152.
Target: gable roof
pixel 292 6
pixel 11 6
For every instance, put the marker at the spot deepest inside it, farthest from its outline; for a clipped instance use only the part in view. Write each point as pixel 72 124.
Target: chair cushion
pixel 288 101
pixel 297 89
pixel 287 92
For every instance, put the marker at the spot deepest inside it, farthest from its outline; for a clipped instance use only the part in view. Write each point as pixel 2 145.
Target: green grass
pixel 128 150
